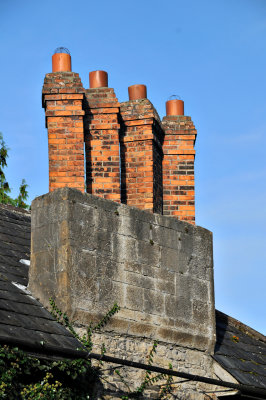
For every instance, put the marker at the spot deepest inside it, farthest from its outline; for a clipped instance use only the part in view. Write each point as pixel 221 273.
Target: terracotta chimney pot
pixel 61 62
pixel 98 79
pixel 175 107
pixel 137 92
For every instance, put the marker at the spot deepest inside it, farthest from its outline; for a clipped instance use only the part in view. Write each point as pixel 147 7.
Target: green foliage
pixel 23 377
pixel 4 186
pixel 23 195
pixel 44 389
pixel 167 388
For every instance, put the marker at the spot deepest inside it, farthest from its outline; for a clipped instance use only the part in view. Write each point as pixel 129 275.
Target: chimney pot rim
pixel 138 84
pixel 98 70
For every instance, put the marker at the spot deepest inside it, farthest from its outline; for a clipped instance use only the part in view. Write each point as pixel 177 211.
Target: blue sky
pixel 212 54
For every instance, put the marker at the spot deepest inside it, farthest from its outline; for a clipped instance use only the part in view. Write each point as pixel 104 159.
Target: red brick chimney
pixel 62 98
pixel 178 163
pixel 102 138
pixel 141 152
pixel 144 163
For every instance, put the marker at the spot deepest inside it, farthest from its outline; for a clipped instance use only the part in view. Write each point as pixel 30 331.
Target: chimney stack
pixel 131 156
pixel 141 140
pixel 178 163
pixel 62 98
pixel 102 138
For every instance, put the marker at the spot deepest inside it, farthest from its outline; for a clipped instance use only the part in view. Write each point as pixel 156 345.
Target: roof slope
pixel 14 243
pixel 241 351
pixel 23 320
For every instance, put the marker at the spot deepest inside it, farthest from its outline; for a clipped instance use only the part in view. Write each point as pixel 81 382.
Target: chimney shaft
pixel 102 138
pixel 178 163
pixel 141 152
pixel 63 95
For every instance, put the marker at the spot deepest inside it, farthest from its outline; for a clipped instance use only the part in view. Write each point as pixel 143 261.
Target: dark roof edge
pixel 239 325
pixel 18 210
pixel 37 349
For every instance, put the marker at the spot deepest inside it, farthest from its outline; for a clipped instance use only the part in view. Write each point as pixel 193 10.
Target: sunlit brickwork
pixel 62 99
pixel 102 143
pixel 178 168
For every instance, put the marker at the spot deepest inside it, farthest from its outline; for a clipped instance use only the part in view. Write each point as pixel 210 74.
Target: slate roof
pixel 241 351
pixel 23 320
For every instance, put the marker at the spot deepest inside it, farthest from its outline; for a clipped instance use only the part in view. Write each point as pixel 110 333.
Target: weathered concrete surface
pixel 88 253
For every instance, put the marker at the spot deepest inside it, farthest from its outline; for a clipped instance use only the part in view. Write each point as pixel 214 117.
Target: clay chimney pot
pixel 175 107
pixel 61 62
pixel 98 79
pixel 137 92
